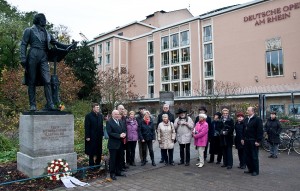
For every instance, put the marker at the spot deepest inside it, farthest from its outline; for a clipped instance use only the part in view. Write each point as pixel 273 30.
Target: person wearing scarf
pixel 147 137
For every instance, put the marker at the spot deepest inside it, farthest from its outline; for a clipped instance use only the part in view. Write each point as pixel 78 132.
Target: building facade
pixel 238 52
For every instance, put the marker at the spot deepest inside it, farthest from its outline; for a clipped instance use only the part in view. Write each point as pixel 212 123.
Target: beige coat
pixel 184 130
pixel 166 135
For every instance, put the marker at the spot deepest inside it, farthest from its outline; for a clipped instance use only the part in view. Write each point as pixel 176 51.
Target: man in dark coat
pixel 166 110
pixel 93 125
pixel 139 119
pixel 117 136
pixel 227 138
pixel 203 110
pixel 239 127
pixel 252 136
pixel 36 66
pixel 273 129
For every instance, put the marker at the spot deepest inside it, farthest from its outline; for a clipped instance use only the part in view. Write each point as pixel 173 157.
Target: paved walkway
pixel 275 174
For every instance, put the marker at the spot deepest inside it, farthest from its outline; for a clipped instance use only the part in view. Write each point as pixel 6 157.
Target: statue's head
pixel 40 19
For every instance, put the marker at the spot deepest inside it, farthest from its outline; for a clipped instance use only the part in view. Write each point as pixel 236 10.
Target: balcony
pixel 165 47
pixel 150 81
pixel 150 51
pixel 186 76
pixel 175 77
pixel 185 59
pixel 165 78
pixel 207 38
pixel 150 65
pixel 185 93
pixel 175 61
pixel 165 62
pixel 208 56
pixel 208 74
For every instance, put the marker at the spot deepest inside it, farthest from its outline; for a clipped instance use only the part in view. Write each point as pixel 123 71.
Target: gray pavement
pixel 282 173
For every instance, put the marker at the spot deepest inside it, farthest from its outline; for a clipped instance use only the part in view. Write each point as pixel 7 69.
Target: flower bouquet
pixel 60 106
pixel 58 168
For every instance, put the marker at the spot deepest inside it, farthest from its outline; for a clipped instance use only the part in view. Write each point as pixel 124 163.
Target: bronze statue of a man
pixel 35 61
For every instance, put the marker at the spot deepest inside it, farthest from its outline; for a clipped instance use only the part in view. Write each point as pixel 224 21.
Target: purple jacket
pixel 201 134
pixel 132 129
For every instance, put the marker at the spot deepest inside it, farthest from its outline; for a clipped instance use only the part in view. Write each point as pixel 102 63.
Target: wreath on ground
pixel 58 168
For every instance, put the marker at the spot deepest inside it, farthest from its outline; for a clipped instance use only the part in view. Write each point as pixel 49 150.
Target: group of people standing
pixel 125 130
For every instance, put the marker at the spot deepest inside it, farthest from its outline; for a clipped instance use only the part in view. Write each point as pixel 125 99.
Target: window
pixel 185 54
pixel 174 56
pixel 108 46
pixel 100 60
pixel 207 33
pixel 174 40
pixel 274 62
pixel 175 73
pixel 186 88
pixel 165 43
pixel 165 59
pixel 107 59
pixel 150 62
pixel 278 108
pixel 151 91
pixel 166 87
pixel 209 70
pixel 93 49
pixel 100 48
pixel 176 89
pixel 186 72
pixel 150 77
pixel 165 75
pixel 120 33
pixel 297 109
pixel 150 47
pixel 209 85
pixel 208 54
pixel 184 36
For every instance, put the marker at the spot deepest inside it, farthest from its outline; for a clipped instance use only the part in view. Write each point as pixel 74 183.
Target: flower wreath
pixel 58 168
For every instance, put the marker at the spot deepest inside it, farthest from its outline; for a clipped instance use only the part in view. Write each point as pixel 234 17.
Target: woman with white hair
pixel 166 136
pixel 200 134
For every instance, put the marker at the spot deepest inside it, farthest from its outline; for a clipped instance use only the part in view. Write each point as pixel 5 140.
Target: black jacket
pixel 93 125
pixel 273 129
pixel 253 129
pixel 239 127
pixel 147 132
pixel 114 131
pixel 226 134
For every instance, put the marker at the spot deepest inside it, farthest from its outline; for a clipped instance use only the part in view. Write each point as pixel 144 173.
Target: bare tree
pixel 115 87
pixel 62 34
pixel 217 92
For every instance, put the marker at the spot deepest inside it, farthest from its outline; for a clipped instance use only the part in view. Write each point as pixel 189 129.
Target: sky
pixel 92 17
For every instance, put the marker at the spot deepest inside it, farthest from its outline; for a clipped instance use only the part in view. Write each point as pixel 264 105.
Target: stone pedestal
pixel 44 136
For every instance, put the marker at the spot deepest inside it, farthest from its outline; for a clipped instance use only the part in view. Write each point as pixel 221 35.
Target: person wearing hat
pixel 165 110
pixel 227 138
pixel 273 129
pixel 203 110
pixel 214 137
pixel 183 125
pixel 238 127
pixel 200 134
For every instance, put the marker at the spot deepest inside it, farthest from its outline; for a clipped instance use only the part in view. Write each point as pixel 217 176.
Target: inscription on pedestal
pixel 54 133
